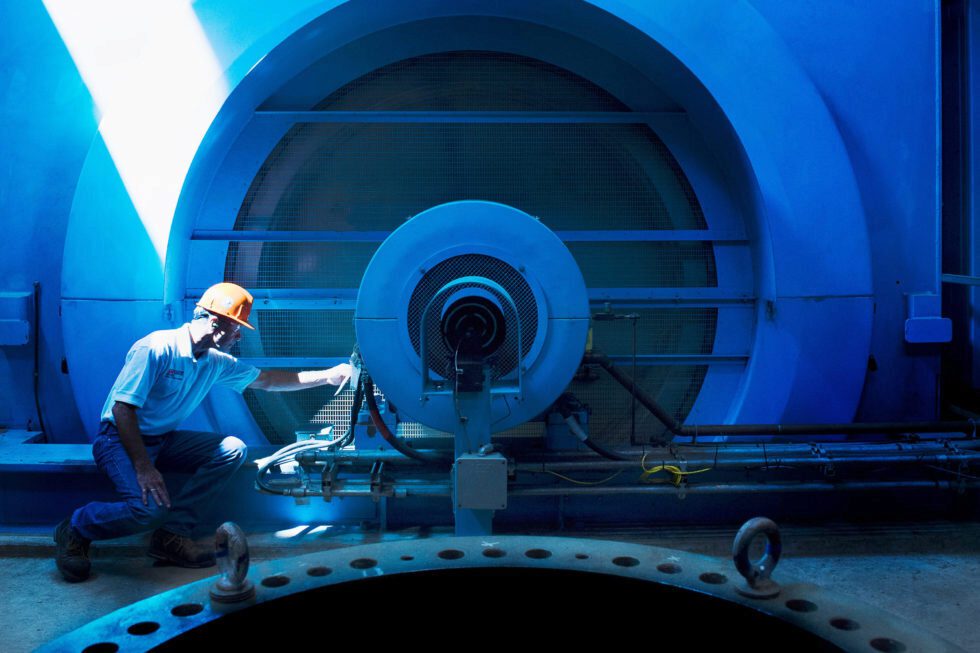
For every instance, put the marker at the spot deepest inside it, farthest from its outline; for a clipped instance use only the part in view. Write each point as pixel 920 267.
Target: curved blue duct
pixel 460 251
pixel 790 242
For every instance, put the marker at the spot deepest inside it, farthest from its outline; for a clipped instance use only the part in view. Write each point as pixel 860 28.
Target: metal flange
pixel 834 619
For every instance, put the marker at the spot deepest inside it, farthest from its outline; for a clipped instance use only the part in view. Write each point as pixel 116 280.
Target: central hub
pixel 473 328
pixel 476 289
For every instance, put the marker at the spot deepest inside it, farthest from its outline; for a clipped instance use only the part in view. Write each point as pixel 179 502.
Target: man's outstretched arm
pixel 287 380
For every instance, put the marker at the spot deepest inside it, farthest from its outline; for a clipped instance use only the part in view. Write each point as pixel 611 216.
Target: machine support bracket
pixel 329 480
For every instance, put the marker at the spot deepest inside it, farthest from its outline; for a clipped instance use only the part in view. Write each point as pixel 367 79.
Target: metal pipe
pixel 736 488
pixel 738 463
pixel 364 489
pixel 968 427
pixel 695 430
pixel 641 395
pixel 366 457
pixel 401 490
pixel 37 359
pixel 952 444
pixel 726 455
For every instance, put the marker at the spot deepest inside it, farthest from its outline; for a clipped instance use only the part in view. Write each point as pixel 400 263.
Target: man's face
pixel 224 333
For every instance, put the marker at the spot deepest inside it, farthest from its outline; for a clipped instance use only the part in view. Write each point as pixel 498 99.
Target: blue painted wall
pixel 47 121
pixel 113 262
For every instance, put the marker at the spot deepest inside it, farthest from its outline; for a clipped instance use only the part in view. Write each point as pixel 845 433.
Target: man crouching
pixel 166 376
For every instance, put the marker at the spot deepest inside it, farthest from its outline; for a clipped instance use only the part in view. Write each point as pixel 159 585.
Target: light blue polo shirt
pixel 166 383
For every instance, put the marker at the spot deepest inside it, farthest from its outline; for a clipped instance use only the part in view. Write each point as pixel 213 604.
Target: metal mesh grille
pixel 440 357
pixel 416 430
pixel 369 177
pixel 298 265
pixel 659 331
pixel 310 409
pixel 280 420
pixel 646 265
pixel 319 334
pixel 269 428
pixel 674 387
pixel 471 81
pixel 372 177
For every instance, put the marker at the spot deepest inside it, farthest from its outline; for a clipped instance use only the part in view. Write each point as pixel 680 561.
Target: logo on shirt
pixel 174 374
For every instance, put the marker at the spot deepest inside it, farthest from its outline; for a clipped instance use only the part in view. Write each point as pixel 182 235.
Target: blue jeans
pixel 210 457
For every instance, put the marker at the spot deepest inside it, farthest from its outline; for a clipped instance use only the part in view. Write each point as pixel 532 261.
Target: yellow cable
pixel 676 473
pixel 572 480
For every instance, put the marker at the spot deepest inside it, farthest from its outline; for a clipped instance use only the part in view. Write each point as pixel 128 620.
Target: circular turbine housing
pixel 472 239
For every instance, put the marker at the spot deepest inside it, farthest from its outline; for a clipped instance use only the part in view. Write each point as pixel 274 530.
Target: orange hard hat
pixel 228 300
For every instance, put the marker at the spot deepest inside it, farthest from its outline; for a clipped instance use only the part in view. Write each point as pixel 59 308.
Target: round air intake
pixel 440 352
pixel 474 318
pixel 461 267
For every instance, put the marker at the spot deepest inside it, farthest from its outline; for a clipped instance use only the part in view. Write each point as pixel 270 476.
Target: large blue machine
pixel 462 262
pixel 473 317
pixel 739 204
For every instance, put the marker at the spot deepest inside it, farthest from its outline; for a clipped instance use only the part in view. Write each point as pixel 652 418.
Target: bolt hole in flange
pixel 842 623
pixel 451 554
pixel 494 553
pixel 143 628
pixel 669 568
pixel 713 578
pixel 363 563
pixel 625 561
pixel 101 647
pixel 275 581
pixel 538 554
pixel 801 605
pixel 317 572
pixel 887 645
pixel 187 609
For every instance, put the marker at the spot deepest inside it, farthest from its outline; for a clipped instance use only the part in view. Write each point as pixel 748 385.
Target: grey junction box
pixel 480 482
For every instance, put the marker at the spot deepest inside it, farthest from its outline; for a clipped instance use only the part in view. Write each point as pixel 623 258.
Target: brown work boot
pixel 72 553
pixel 179 550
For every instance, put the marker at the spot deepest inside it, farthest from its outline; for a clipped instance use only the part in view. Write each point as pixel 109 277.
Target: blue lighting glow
pixel 157 86
pixel 288 533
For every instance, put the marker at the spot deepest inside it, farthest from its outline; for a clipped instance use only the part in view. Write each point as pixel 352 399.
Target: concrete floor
pixel 925 573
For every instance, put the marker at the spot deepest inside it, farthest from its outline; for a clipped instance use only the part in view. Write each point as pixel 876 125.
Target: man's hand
pixel 151 483
pixel 147 476
pixel 338 374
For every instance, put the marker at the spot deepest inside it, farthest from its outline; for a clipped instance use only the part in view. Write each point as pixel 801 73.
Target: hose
pixel 288 453
pixel 355 409
pixel 567 404
pixel 580 433
pixel 285 455
pixel 386 433
pixel 605 453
